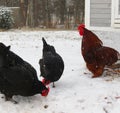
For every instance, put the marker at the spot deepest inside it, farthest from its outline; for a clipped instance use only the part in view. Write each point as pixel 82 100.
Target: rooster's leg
pixel 95 69
pixel 98 72
pixel 94 76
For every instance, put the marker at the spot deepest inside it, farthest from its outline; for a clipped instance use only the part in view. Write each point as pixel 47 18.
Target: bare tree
pixel 23 11
pixel 35 10
pixel 45 13
pixel 78 10
pixel 48 12
pixel 48 8
pixel 60 10
pixel 28 11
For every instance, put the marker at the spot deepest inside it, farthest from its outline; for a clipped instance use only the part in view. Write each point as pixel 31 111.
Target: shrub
pixel 6 19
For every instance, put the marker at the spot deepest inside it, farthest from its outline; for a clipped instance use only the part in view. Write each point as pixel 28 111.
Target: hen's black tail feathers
pixel 44 42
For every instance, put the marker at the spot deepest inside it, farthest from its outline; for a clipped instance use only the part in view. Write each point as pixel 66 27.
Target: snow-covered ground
pixel 76 91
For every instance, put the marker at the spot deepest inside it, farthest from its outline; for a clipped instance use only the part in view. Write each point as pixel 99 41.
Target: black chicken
pixel 18 79
pixel 11 59
pixel 51 65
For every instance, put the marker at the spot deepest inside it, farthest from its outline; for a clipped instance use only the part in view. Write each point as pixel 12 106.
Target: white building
pixel 102 14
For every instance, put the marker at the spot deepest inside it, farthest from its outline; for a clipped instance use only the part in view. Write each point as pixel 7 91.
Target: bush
pixel 6 19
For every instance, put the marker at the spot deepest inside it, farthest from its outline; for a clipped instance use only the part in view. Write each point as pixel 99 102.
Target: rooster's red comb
pixel 81 26
pixel 80 29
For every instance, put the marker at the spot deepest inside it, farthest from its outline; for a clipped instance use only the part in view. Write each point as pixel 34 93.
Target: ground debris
pixel 114 66
pixel 45 106
pixel 104 109
pixel 112 72
pixel 118 97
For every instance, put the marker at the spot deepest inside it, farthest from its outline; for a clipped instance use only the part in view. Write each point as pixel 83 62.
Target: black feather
pixel 51 64
pixel 18 77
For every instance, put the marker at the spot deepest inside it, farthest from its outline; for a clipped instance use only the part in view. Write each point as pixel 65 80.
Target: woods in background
pixel 49 13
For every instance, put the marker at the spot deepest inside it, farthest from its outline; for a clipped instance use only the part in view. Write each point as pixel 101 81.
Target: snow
pixel 76 91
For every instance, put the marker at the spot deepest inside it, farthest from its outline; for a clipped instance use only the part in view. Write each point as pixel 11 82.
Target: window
pixel 117 9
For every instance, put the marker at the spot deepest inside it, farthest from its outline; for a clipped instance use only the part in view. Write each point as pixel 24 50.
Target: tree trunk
pixel 30 14
pixel 23 11
pixel 35 10
pixel 48 22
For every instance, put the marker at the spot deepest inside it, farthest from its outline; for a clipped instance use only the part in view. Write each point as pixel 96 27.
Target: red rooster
pixel 94 53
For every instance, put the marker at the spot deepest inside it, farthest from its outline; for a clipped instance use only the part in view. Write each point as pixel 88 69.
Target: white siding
pixel 116 12
pixel 100 13
pixel 119 8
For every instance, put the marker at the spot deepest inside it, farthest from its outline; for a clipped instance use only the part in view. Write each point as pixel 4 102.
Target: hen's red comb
pixel 45 92
pixel 45 82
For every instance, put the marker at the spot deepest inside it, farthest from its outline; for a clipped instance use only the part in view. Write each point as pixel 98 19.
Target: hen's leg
pixel 53 85
pixel 9 98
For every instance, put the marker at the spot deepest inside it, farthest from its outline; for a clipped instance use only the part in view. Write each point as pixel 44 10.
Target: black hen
pixel 11 59
pixel 18 79
pixel 51 65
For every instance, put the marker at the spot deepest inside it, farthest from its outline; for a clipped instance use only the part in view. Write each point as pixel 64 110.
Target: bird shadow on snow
pixel 22 100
